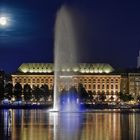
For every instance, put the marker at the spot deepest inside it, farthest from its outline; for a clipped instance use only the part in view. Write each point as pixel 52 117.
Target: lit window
pixel 89 80
pixel 33 80
pixel 89 86
pixel 107 86
pixel 112 80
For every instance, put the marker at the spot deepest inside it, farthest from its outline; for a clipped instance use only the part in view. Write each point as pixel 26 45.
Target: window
pixel 33 80
pixel 15 80
pixel 107 80
pixel 85 80
pixel 98 86
pixel 89 80
pixel 89 86
pixel 24 80
pixel 94 80
pixel 107 86
pixel 112 80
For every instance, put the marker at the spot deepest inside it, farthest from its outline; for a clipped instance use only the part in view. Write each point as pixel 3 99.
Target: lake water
pixel 42 125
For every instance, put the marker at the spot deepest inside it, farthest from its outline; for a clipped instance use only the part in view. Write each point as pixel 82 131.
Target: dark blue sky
pixel 108 31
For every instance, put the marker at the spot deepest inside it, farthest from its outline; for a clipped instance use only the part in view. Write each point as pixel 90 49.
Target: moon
pixel 3 21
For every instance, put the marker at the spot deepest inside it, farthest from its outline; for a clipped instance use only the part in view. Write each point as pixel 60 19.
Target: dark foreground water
pixel 42 125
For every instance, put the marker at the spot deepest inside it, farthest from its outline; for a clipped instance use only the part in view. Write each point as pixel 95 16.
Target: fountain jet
pixel 64 52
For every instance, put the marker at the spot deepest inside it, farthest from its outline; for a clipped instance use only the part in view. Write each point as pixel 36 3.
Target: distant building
pixel 124 83
pixel 134 84
pixel 97 78
pixel 130 82
pixel 138 61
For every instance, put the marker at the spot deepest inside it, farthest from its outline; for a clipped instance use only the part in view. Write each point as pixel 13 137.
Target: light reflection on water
pixel 42 125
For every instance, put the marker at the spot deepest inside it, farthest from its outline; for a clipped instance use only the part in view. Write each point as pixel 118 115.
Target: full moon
pixel 3 21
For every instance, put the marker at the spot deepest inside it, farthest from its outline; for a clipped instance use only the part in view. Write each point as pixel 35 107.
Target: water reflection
pixel 131 126
pixel 42 125
pixel 67 126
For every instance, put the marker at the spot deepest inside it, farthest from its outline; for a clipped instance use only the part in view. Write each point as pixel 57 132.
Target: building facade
pixel 97 78
pixel 134 84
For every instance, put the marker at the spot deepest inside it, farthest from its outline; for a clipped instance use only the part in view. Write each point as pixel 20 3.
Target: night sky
pixel 108 31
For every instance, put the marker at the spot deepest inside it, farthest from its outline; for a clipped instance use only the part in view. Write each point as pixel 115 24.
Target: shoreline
pixel 85 108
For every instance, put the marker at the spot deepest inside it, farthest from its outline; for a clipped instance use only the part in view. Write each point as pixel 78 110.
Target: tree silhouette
pixel 18 91
pixel 126 97
pixel 1 85
pixel 37 92
pixel 45 92
pixel 27 92
pixel 82 92
pixel 9 90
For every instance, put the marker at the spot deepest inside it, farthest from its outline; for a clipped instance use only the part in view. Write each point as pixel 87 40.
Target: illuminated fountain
pixel 64 52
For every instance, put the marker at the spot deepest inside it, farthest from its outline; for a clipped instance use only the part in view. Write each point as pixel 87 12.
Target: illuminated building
pixel 97 78
pixel 124 83
pixel 134 84
pixel 130 82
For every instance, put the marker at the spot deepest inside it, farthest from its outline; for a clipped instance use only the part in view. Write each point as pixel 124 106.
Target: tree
pixel 82 92
pixel 90 96
pixel 126 97
pixel 9 90
pixel 138 97
pixel 27 92
pixel 1 91
pixel 37 93
pixel 2 85
pixel 45 92
pixel 18 91
pixel 51 91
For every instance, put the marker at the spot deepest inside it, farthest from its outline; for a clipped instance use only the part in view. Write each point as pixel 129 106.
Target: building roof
pixel 78 68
